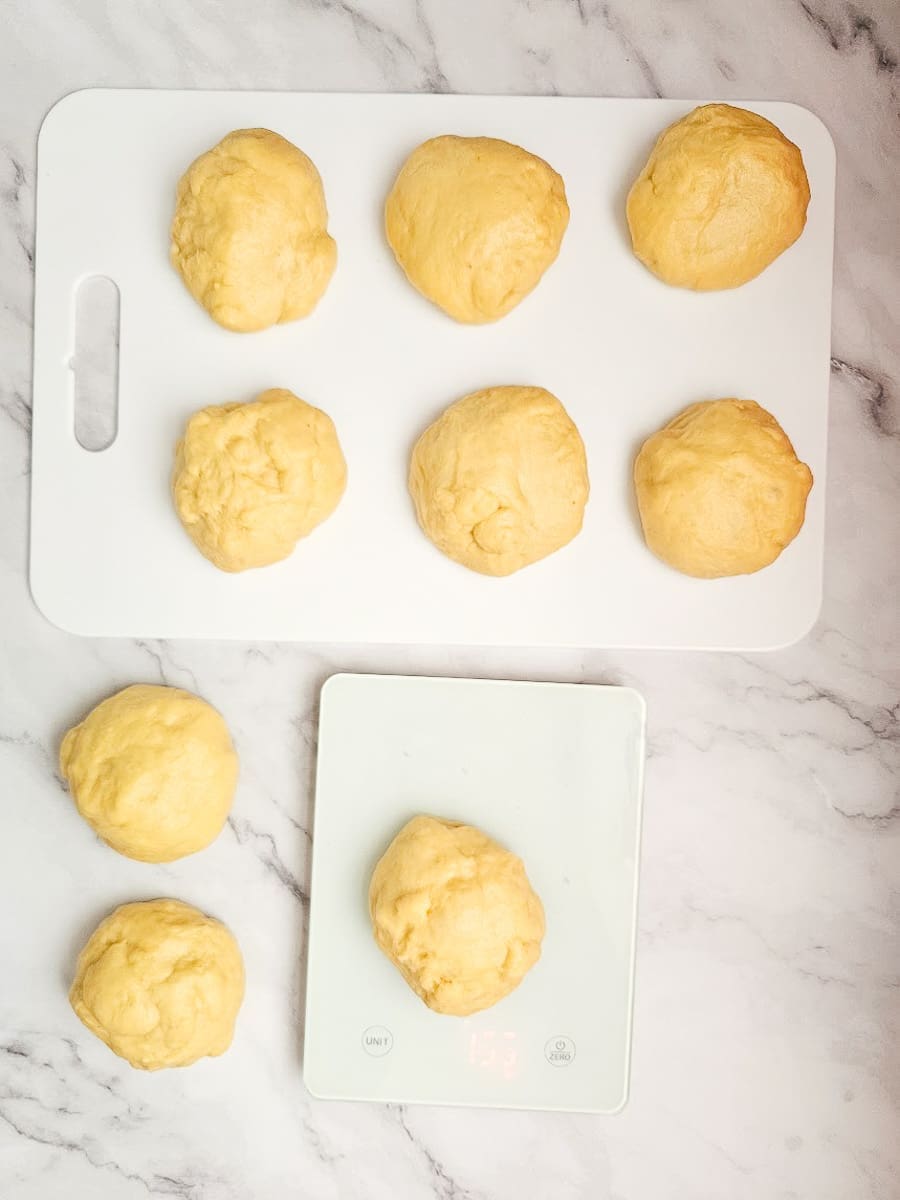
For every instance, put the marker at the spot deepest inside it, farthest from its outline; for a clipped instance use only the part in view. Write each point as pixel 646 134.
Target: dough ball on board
pixel 720 489
pixel 252 479
pixel 250 232
pixel 475 222
pixel 160 983
pixel 500 479
pixel 722 195
pixel 455 913
pixel 153 771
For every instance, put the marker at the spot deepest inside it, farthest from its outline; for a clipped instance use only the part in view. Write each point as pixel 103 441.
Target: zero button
pixel 559 1051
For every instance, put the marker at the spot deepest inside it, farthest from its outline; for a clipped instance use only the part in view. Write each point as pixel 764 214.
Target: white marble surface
pixel 767 1025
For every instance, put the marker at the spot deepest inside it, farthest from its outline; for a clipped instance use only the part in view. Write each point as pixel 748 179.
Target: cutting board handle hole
pixel 95 363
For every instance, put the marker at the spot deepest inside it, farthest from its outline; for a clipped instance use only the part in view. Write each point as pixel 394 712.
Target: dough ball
pixel 500 479
pixel 720 489
pixel 250 231
pixel 455 913
pixel 160 983
pixel 722 195
pixel 153 771
pixel 251 479
pixel 475 223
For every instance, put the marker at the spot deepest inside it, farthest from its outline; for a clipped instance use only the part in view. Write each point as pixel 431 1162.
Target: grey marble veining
pixel 767 1024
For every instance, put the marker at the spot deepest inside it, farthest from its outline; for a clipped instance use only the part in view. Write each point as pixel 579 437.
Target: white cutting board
pixel 552 771
pixel 622 351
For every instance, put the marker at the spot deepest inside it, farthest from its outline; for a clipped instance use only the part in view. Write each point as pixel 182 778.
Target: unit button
pixel 559 1051
pixel 377 1041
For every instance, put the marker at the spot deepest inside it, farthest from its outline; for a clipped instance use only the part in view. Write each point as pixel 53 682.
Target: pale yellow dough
pixel 720 489
pixel 252 479
pixel 250 232
pixel 475 222
pixel 153 771
pixel 500 479
pixel 455 913
pixel 160 983
pixel 722 195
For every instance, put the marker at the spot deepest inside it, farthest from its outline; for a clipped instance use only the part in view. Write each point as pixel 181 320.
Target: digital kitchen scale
pixel 554 772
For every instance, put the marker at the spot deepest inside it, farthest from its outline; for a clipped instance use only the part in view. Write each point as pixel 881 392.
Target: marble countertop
pixel 767 1023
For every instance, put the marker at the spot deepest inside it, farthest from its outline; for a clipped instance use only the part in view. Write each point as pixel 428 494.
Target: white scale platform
pixel 554 772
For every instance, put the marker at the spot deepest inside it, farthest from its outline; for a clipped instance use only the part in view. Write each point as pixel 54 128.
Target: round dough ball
pixel 249 235
pixel 252 479
pixel 500 479
pixel 722 195
pixel 720 489
pixel 454 912
pixel 153 771
pixel 475 223
pixel 160 983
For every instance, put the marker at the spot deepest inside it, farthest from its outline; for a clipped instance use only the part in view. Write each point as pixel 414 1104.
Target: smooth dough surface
pixel 252 479
pixel 500 479
pixel 475 222
pixel 250 232
pixel 160 983
pixel 720 489
pixel 722 195
pixel 455 913
pixel 152 770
